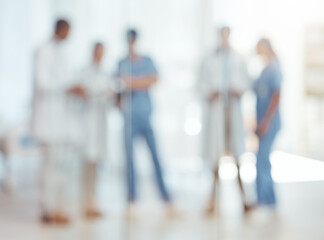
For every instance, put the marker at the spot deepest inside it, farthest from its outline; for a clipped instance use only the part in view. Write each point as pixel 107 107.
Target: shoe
pixel 58 217
pixel 211 210
pixel 249 208
pixel 262 214
pixel 92 213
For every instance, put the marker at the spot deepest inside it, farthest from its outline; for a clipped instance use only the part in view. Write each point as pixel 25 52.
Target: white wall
pixel 15 42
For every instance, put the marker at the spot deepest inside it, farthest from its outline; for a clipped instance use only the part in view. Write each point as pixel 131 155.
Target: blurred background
pixel 177 35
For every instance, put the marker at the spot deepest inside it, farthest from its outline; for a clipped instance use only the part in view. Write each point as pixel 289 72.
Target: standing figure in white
pixel 223 80
pixel 53 88
pixel 99 97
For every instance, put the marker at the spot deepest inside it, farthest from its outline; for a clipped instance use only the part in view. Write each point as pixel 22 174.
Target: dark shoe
pixel 59 218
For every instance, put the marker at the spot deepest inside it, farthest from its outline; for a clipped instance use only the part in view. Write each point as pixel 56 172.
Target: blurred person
pixel 267 89
pixel 6 182
pixel 52 88
pixel 223 81
pixel 138 75
pixel 98 98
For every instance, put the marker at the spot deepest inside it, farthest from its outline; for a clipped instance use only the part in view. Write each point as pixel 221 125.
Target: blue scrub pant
pixel 140 126
pixel 265 188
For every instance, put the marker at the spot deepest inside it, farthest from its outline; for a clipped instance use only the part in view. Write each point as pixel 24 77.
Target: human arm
pixel 265 122
pixel 140 83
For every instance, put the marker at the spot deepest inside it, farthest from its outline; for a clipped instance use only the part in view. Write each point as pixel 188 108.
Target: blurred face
pixel 225 35
pixel 98 53
pixel 63 33
pixel 260 49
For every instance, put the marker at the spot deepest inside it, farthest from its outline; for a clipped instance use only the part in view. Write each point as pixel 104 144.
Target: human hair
pixel 61 24
pixel 225 29
pixel 97 45
pixel 267 44
pixel 131 35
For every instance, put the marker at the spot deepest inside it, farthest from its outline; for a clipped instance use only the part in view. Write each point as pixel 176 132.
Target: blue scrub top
pixel 137 101
pixel 266 85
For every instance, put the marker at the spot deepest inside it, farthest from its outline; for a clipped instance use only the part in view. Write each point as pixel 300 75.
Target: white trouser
pixel 56 180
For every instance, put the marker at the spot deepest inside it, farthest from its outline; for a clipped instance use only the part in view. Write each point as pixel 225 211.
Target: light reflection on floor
pixel 291 168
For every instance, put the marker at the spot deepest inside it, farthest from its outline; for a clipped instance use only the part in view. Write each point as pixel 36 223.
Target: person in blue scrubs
pixel 267 90
pixel 138 74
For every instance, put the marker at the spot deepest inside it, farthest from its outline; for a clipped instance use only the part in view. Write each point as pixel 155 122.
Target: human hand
pixel 78 90
pixel 262 128
pixel 213 97
pixel 235 94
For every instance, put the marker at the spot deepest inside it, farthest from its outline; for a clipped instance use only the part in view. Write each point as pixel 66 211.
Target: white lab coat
pixel 214 77
pixel 96 106
pixel 51 116
pixel 52 120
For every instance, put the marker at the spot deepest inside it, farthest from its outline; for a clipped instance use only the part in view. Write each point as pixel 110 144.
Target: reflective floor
pixel 300 214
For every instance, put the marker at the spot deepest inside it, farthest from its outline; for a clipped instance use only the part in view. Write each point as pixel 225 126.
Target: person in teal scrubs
pixel 267 91
pixel 139 73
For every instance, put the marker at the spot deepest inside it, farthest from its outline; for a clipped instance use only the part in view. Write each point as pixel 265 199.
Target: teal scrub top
pixel 265 87
pixel 137 101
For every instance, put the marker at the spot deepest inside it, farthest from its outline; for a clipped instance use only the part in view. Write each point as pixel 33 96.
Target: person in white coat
pixel 52 89
pixel 223 80
pixel 99 97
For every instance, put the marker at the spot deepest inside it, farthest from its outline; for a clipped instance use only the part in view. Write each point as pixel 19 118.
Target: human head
pixel 62 29
pixel 131 37
pixel 225 33
pixel 98 52
pixel 264 48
